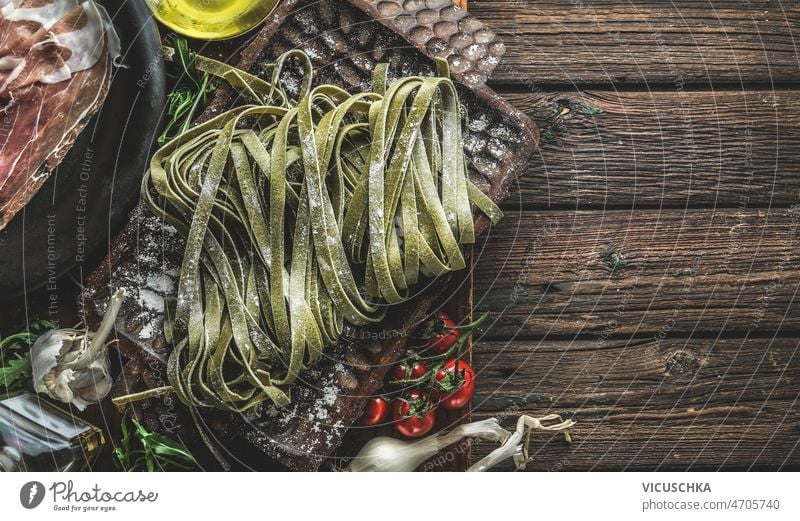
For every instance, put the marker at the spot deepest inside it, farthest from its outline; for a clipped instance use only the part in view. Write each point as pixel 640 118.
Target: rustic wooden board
pixel 649 42
pixel 644 404
pixel 691 400
pixel 642 272
pixel 612 149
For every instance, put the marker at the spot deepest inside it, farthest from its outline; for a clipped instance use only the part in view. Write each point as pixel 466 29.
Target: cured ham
pixel 56 58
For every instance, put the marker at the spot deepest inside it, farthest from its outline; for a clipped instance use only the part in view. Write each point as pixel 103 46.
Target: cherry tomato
pixel 442 339
pixel 376 411
pixel 412 416
pixel 404 371
pixel 458 388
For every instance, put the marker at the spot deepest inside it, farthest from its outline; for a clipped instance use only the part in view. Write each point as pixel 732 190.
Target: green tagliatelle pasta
pixel 301 214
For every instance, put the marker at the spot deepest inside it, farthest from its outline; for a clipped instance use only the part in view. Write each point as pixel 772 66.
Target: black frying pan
pixel 87 199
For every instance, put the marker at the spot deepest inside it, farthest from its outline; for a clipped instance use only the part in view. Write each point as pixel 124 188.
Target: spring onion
pixel 384 454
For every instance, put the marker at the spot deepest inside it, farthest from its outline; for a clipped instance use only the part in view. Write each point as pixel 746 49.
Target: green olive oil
pixel 211 19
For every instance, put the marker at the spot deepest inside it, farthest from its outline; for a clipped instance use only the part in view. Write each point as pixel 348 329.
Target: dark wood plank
pixel 641 273
pixel 673 404
pixel 636 374
pixel 731 438
pixel 648 42
pixel 662 149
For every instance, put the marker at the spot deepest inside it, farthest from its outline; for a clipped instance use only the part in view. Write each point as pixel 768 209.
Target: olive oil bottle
pixel 211 19
pixel 36 436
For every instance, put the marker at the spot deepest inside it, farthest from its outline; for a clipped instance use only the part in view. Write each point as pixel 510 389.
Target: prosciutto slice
pixel 56 58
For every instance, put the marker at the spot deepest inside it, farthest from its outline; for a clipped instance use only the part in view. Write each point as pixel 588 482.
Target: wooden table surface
pixel 645 279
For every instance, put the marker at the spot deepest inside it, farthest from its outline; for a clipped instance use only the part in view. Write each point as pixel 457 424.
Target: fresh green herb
pixel 15 367
pixel 190 95
pixel 141 449
pixel 15 372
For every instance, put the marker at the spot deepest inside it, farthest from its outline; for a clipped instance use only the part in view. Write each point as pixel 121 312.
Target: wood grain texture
pixel 644 149
pixel 666 405
pixel 668 315
pixel 671 336
pixel 623 42
pixel 641 272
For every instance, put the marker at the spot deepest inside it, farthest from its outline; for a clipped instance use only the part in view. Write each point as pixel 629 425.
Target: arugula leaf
pixel 124 450
pixel 15 367
pixel 140 448
pixel 26 337
pixel 190 95
pixel 14 372
pixel 164 446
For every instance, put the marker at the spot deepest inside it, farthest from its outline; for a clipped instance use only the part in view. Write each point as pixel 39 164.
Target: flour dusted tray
pixel 345 39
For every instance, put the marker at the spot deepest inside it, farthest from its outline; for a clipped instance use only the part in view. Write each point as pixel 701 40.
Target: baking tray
pixel 344 39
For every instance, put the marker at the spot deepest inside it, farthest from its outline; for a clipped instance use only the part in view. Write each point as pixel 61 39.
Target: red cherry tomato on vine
pixel 412 416
pixel 408 372
pixel 376 411
pixel 443 339
pixel 456 385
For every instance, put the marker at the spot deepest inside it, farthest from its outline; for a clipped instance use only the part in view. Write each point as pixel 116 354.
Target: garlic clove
pixel 94 383
pixel 44 356
pixel 57 385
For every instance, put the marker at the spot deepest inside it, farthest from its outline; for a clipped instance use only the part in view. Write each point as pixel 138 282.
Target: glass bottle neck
pixel 10 459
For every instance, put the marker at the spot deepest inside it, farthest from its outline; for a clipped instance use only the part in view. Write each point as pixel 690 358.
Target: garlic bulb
pixel 383 454
pixel 72 365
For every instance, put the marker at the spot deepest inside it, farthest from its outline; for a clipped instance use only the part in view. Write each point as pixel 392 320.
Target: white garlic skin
pixel 384 454
pixel 72 365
